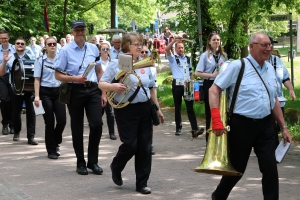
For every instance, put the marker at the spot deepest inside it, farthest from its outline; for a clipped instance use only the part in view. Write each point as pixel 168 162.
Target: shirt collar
pixel 74 45
pixel 256 64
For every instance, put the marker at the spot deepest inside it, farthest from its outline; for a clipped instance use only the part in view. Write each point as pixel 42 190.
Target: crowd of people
pixel 257 106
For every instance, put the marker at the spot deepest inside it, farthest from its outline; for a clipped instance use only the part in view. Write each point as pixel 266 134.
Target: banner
pixel 46 22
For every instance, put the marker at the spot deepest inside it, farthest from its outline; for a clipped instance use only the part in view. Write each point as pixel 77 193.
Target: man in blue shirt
pixel 17 100
pixel 6 107
pixel 251 124
pixel 36 49
pixel 74 59
pixel 116 47
pixel 181 68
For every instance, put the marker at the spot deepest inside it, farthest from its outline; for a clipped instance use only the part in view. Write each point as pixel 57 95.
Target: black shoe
pixel 32 141
pixel 52 156
pixel 144 190
pixel 12 130
pixel 57 151
pixel 112 136
pixel 178 132
pixel 82 170
pixel 5 130
pixel 16 137
pixel 213 196
pixel 196 133
pixel 96 169
pixel 117 178
pixel 152 151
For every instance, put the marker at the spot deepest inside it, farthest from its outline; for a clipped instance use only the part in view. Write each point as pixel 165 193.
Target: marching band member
pixel 17 100
pixel 134 121
pixel 85 95
pixel 46 89
pixel 104 48
pixel 181 71
pixel 207 68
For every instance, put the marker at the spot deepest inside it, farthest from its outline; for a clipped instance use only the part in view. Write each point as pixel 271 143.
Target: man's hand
pixel 80 79
pixel 286 136
pixel 292 94
pixel 216 122
pixel 6 56
pixel 161 116
pixel 36 101
pixel 103 99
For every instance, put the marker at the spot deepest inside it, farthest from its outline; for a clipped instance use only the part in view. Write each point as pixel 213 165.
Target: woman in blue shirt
pixel 208 67
pixel 46 89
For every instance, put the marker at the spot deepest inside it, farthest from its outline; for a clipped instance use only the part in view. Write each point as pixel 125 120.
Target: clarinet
pixel 60 71
pixel 275 63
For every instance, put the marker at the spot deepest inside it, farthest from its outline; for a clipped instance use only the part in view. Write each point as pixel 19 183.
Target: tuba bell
pixel 216 159
pixel 124 76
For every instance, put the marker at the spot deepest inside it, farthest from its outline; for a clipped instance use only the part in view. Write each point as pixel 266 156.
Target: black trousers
pixel 88 99
pixel 244 134
pixel 6 107
pixel 17 101
pixel 135 131
pixel 206 85
pixel 110 118
pixel 54 111
pixel 178 92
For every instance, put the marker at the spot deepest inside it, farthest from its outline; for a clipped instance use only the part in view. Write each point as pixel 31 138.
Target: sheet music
pixel 125 62
pixel 39 110
pixel 88 69
pixel 282 99
pixel 281 150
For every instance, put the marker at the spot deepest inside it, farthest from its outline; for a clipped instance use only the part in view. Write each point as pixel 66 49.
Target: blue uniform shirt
pixel 12 59
pixel 113 53
pixel 177 71
pixel 208 64
pixel 48 77
pixel 70 58
pixel 145 75
pixel 37 51
pixel 11 50
pixel 252 99
pixel 281 74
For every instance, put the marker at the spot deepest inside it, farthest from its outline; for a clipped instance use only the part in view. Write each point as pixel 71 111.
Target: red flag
pixel 46 22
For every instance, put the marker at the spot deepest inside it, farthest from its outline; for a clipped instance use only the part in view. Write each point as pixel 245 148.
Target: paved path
pixel 27 173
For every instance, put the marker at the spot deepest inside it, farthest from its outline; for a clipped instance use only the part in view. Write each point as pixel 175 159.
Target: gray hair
pixel 116 37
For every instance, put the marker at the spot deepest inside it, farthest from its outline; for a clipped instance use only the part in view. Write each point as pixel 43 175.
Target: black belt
pixel 251 119
pixel 86 84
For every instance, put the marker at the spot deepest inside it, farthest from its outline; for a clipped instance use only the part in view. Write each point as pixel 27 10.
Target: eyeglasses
pixel 144 52
pixel 264 45
pixel 116 42
pixel 137 45
pixel 105 49
pixel 3 38
pixel 51 44
pixel 79 30
pixel 32 40
pixel 20 43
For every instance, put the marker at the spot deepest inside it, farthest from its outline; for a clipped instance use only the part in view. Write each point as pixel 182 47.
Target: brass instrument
pixel 216 159
pixel 124 77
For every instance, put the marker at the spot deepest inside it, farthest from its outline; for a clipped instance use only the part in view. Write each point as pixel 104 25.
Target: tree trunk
pixel 244 50
pixel 65 17
pixel 113 6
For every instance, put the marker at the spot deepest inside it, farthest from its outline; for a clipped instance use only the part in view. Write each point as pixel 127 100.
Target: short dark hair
pixel 21 39
pixel 3 32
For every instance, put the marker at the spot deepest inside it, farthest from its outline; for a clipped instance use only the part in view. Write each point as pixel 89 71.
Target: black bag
pixel 154 115
pixel 65 93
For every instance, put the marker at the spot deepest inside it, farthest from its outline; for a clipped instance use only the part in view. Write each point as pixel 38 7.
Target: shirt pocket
pixel 250 88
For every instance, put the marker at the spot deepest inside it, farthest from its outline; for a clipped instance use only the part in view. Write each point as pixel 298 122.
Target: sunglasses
pixel 105 49
pixel 51 44
pixel 144 52
pixel 20 43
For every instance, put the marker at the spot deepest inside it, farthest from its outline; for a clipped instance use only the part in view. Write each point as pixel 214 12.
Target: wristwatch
pixel 283 127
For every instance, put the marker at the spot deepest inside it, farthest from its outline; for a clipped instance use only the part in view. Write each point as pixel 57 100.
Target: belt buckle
pixel 87 84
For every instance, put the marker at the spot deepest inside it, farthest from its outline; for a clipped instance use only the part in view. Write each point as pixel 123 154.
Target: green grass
pixel 164 93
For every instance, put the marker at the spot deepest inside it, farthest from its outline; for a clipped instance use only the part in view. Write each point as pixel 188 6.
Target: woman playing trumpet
pixel 133 121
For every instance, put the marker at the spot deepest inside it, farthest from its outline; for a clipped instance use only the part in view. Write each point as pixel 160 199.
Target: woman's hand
pixel 118 87
pixel 37 101
pixel 161 116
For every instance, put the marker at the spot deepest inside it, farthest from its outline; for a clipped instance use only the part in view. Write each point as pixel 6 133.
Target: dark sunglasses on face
pixel 105 49
pixel 51 44
pixel 144 52
pixel 20 43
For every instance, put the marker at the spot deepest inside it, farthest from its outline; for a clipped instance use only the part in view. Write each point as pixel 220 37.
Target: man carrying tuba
pixel 251 124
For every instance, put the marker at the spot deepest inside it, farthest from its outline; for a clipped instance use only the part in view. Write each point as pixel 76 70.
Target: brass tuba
pixel 216 159
pixel 124 77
